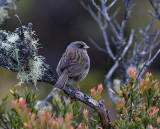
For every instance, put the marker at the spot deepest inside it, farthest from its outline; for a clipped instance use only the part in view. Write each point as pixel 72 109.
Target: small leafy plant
pixel 138 104
pixel 137 107
pixel 62 114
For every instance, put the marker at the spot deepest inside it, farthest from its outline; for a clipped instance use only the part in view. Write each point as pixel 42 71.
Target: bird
pixel 74 64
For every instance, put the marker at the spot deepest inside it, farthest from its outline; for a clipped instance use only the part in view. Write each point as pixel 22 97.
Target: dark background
pixel 60 22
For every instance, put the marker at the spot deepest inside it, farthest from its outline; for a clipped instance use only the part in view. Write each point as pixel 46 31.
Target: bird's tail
pixel 62 80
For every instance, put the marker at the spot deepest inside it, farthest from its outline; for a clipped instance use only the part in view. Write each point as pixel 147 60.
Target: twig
pixel 21 34
pixel 103 30
pixel 108 80
pixel 97 46
pixel 129 43
pixel 1 117
pixel 48 96
pixel 115 13
pixel 156 7
pixel 150 60
pixel 111 5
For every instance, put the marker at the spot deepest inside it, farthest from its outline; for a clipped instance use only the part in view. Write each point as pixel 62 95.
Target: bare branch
pixel 156 7
pixel 140 49
pixel 97 46
pixel 2 119
pixel 111 5
pixel 149 25
pixel 150 60
pixel 22 34
pixel 48 97
pixel 95 5
pixel 117 25
pixel 115 13
pixel 108 80
pixel 108 19
pixel 88 8
pixel 155 44
pixel 102 27
pixel 129 43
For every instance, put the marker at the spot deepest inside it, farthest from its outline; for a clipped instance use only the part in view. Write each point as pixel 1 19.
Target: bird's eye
pixel 80 46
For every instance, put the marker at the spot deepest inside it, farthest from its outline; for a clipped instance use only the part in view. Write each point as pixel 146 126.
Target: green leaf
pixel 95 117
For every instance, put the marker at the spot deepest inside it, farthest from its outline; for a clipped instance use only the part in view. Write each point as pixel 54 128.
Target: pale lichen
pixel 34 73
pixel 12 38
pixel 6 5
pixel 22 52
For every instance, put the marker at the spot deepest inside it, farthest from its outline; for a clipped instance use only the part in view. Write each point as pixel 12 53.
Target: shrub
pixel 138 104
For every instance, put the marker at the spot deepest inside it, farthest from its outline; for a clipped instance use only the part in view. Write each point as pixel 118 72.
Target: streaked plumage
pixel 74 64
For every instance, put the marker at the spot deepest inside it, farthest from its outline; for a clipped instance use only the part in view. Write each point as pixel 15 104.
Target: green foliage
pixel 137 107
pixel 15 117
pixel 3 105
pixel 67 106
pixel 26 114
pixel 96 94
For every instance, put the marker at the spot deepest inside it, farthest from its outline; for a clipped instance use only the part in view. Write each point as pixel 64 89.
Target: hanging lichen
pixel 5 6
pixel 21 50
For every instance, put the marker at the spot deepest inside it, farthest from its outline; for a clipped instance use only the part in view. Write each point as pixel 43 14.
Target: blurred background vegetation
pixel 59 22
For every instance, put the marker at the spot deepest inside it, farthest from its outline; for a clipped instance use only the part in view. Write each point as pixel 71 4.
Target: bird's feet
pixel 78 89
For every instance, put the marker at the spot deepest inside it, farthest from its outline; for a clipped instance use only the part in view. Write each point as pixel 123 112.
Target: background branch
pixel 122 61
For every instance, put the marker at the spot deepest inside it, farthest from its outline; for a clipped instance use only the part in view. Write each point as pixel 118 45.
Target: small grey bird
pixel 74 64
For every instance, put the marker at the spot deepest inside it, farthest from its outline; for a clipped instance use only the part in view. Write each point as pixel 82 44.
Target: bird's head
pixel 78 45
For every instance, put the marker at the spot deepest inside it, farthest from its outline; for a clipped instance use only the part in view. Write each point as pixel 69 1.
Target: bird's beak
pixel 86 47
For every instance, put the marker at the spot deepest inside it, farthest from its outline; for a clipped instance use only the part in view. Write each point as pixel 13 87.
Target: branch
pixel 150 60
pixel 1 117
pixel 99 107
pixel 156 7
pixel 111 5
pixel 141 49
pixel 48 96
pixel 129 43
pixel 72 92
pixel 97 46
pixel 19 53
pixel 103 30
pixel 108 80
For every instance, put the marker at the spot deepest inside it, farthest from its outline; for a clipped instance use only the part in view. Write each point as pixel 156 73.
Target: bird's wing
pixel 78 68
pixel 62 80
pixel 74 61
pixel 63 63
pixel 79 62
